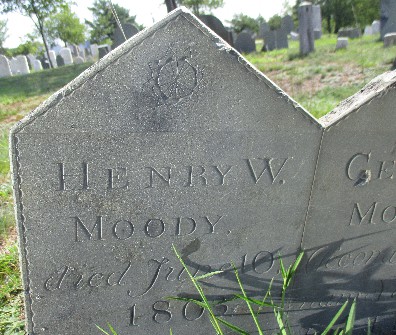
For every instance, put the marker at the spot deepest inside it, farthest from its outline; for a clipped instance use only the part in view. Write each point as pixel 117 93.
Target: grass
pixel 318 81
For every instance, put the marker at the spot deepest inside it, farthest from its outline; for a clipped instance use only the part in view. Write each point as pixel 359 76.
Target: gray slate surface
pixel 119 38
pixel 217 26
pixel 388 17
pixel 179 140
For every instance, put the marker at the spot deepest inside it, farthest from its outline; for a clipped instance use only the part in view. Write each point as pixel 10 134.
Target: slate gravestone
pixel 264 27
pixel 317 21
pixel 388 17
pixel 60 61
pixel 349 233
pixel 118 36
pixel 275 39
pixel 45 63
pixel 217 26
pixel 171 138
pixel 287 24
pixel 349 32
pixel 66 55
pixel 306 29
pixel 5 70
pixel 103 50
pixel 245 43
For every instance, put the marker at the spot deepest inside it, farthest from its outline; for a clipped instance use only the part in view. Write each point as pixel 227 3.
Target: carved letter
pixel 154 227
pixel 357 218
pixel 211 224
pixel 125 231
pixel 115 178
pixel 200 175
pixel 222 174
pixel 268 167
pixel 389 214
pixel 192 222
pixel 62 175
pixel 89 233
pixel 356 176
pixel 154 172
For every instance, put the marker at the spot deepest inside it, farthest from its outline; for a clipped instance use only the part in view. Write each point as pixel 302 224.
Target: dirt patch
pixel 11 238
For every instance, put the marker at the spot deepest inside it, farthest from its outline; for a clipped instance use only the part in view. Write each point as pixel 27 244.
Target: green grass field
pixel 318 82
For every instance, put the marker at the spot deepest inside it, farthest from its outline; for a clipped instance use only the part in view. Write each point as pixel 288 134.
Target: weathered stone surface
pixel 245 43
pixel 389 40
pixel 217 26
pixel 275 39
pixel 349 233
pixel 66 55
pixel 388 17
pixel 306 29
pixel 350 32
pixel 171 138
pixel 342 43
pixel 5 69
pixel 118 36
pixel 317 21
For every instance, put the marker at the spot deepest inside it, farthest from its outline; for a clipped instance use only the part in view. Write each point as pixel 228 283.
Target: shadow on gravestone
pixel 179 140
pixel 217 26
pixel 60 61
pixel 118 37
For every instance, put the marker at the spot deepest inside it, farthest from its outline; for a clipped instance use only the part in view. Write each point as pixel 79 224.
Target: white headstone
pixel 94 50
pixel 52 57
pixel 5 70
pixel 389 40
pixel 23 66
pixel 368 31
pixel 37 65
pixel 342 43
pixel 294 36
pixel 66 55
pixel 14 65
pixel 78 60
pixel 376 25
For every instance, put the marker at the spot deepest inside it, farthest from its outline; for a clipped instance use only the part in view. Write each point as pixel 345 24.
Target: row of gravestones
pixel 175 139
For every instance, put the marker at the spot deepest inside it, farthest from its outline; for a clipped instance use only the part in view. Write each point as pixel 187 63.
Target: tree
pixel 66 26
pixel 29 46
pixel 104 22
pixel 241 21
pixel 37 10
pixel 199 7
pixel 275 22
pixel 3 33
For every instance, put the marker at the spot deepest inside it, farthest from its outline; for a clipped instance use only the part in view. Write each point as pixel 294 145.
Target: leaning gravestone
pixel 245 43
pixel 66 55
pixel 388 17
pixel 171 138
pixel 22 64
pixel 14 65
pixel 37 65
pixel 376 25
pixel 174 138
pixel 118 37
pixel 217 26
pixel 78 60
pixel 5 69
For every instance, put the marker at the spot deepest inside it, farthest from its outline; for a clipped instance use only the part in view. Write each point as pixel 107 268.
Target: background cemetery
pixel 315 54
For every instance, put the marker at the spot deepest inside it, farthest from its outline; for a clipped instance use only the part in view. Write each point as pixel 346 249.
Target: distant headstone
pixel 52 57
pixel 264 27
pixel 94 50
pixel 78 60
pixel 368 31
pixel 217 26
pixel 14 66
pixel 376 25
pixel 287 24
pixel 389 39
pixel 275 39
pixel 317 21
pixel 388 17
pixel 74 50
pixel 5 69
pixel 22 65
pixel 45 63
pixel 350 33
pixel 306 29
pixel 118 37
pixel 103 50
pixel 342 43
pixel 245 43
pixel 37 65
pixel 66 55
pixel 30 60
pixel 60 61
pixel 294 36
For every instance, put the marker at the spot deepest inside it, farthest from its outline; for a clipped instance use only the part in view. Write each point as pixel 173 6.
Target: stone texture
pixel 245 43
pixel 350 32
pixel 52 56
pixel 14 65
pixel 119 38
pixel 317 21
pixel 183 142
pixel 217 26
pixel 275 39
pixel 389 40
pixel 342 43
pixel 306 29
pixel 5 69
pixel 66 55
pixel 388 17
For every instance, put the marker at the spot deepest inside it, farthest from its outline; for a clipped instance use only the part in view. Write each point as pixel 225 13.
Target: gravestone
pixel 37 65
pixel 368 31
pixel 119 38
pixel 52 56
pixel 171 138
pixel 349 32
pixel 60 61
pixel 317 21
pixel 264 27
pixel 78 60
pixel 14 65
pixel 342 43
pixel 306 29
pixel 245 43
pixel 103 50
pixel 94 50
pixel 388 17
pixel 22 64
pixel 66 55
pixel 287 24
pixel 389 40
pixel 376 25
pixel 275 39
pixel 349 233
pixel 294 36
pixel 5 69
pixel 217 26
pixel 45 63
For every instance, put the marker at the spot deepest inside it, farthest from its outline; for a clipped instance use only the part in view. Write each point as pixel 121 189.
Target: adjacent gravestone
pixel 66 55
pixel 317 21
pixel 368 31
pixel 52 56
pixel 171 138
pixel 45 63
pixel 78 60
pixel 118 37
pixel 14 66
pixel 60 61
pixel 5 69
pixel 294 36
pixel 94 50
pixel 306 29
pixel 245 43
pixel 350 33
pixel 349 233
pixel 388 17
pixel 74 50
pixel 389 40
pixel 217 26
pixel 287 24
pixel 376 25
pixel 103 50
pixel 264 27
pixel 275 39
pixel 22 65
pixel 37 65
pixel 342 43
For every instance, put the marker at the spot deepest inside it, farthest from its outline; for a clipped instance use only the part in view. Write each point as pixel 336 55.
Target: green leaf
pixel 233 327
pixel 111 329
pixel 210 274
pixel 102 330
pixel 296 263
pixel 282 268
pixel 351 319
pixel 170 331
pixel 280 322
pixel 335 318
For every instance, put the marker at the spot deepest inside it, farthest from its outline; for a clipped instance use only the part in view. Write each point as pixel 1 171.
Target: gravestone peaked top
pixel 171 138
